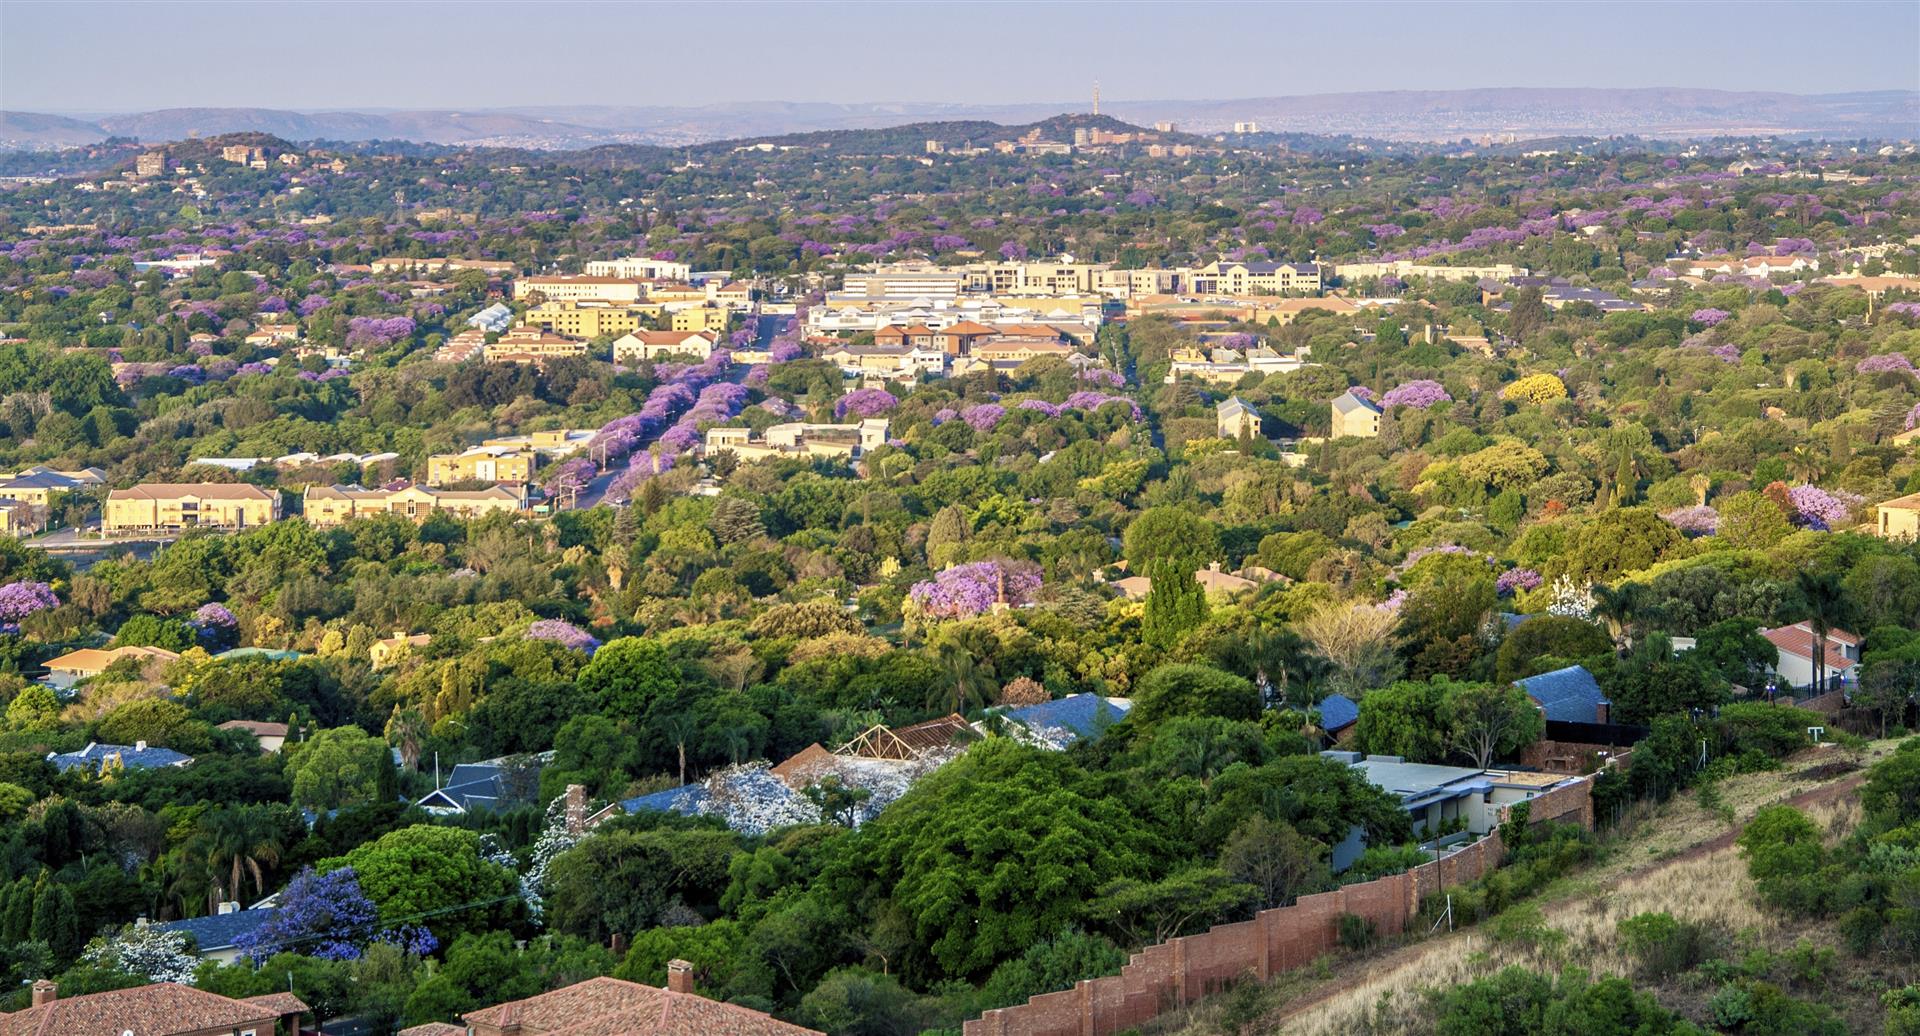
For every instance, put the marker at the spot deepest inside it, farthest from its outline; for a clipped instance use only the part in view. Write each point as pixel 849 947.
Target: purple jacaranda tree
pixel 973 589
pixel 563 633
pixel 943 415
pixel 313 304
pixel 1419 395
pixel 327 916
pixel 1818 508
pixel 1516 579
pixel 1696 520
pixel 378 332
pixel 983 416
pixel 869 402
pixel 1884 363
pixel 1709 316
pixel 1013 250
pixel 1904 309
pixel 21 599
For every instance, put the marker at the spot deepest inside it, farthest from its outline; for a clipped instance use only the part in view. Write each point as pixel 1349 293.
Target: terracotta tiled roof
pixel 613 1007
pixel 278 1003
pixel 1798 640
pixel 161 1009
pixel 433 1029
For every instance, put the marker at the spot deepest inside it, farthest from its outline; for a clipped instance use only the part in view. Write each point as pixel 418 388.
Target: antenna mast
pixel 1096 97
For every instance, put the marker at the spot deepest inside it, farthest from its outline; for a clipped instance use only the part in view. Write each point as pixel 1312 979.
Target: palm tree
pixel 1622 608
pixel 970 681
pixel 244 841
pixel 1826 603
pixel 680 728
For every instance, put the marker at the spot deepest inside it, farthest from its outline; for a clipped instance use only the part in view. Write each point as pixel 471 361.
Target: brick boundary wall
pixel 1828 704
pixel 1172 974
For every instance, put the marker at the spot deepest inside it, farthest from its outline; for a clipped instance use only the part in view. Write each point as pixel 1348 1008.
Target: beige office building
pixel 175 507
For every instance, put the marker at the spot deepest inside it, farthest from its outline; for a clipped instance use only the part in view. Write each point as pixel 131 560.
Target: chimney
pixel 229 907
pixel 679 978
pixel 46 991
pixel 139 746
pixel 576 809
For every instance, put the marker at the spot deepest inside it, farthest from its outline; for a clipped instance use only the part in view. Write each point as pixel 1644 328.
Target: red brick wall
pixel 1173 974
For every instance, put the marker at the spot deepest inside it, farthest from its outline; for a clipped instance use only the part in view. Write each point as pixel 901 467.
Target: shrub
pixel 1357 933
pixel 1663 945
pixel 1775 730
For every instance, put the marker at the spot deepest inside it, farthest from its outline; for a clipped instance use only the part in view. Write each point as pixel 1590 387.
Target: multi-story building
pixel 654 345
pixel 799 439
pixel 886 363
pixel 1011 352
pixel 635 267
pixel 327 506
pixel 441 264
pixel 532 345
pixel 179 506
pixel 702 318
pixel 20 519
pixel 905 281
pixel 1407 269
pixel 1255 278
pixel 482 464
pixel 1355 416
pixel 1047 278
pixel 38 487
pixel 587 319
pixel 151 163
pixel 612 290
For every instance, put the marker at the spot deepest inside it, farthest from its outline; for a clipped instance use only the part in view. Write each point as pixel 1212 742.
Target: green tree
pixel 433 876
pixel 1277 861
pixel 1487 721
pixel 344 766
pixel 628 676
pixel 1176 603
pixel 56 922
pixel 1171 534
pixel 1406 719
pixel 1750 521
pixel 1191 689
pixel 1545 642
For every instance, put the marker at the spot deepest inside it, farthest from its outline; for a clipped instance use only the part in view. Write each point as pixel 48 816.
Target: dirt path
pixel 1409 955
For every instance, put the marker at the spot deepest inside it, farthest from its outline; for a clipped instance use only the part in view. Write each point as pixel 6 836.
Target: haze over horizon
pixel 363 56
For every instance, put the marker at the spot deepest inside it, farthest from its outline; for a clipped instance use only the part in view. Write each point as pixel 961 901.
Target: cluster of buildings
pixel 27 495
pixel 800 439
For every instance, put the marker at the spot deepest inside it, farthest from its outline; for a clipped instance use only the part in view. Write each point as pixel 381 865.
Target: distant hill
pixel 1523 112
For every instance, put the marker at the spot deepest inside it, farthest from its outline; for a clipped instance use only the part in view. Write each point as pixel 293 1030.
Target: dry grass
pixel 1639 874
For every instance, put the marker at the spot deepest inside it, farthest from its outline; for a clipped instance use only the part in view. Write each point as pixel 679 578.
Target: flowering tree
pixel 1571 600
pixel 1817 508
pixel 983 416
pixel 144 950
pixel 1515 579
pixel 1709 316
pixel 1535 388
pixel 870 402
pixel 1884 363
pixel 1419 395
pixel 564 633
pixel 973 589
pixel 326 916
pixel 1698 520
pixel 21 599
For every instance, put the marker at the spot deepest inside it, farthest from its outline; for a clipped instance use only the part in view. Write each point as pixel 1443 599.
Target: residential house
pixel 800 439
pixel 482 464
pixel 1235 417
pixel 273 334
pixel 612 290
pixel 586 319
pixel 1211 579
pixel 327 506
pixel 1062 721
pixel 606 1006
pixel 1355 416
pixel 38 487
pixel 86 663
pixel 1794 668
pixel 270 735
pixel 87 477
pixel 1438 797
pixel 384 653
pixel 532 345
pixel 490 784
pixel 157 1009
pixel 1899 518
pixel 178 506
pixel 217 935
pixel 20 519
pixel 641 345
pixel 99 758
pixel 1569 695
pixel 1338 715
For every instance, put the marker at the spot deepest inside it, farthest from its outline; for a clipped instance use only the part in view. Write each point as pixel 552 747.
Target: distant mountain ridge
pixel 1398 114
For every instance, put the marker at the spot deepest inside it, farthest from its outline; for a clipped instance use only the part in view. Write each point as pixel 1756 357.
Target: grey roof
pixel 1569 695
pixel 1233 404
pixel 219 931
pixel 1338 712
pixel 40 480
pixel 1081 714
pixel 1347 403
pixel 96 755
pixel 1418 784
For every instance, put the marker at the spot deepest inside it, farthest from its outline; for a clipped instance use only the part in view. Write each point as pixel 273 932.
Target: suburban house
pixel 1899 518
pixel 384 653
pixel 215 935
pixel 270 735
pixel 1062 721
pixel 610 1005
pixel 1235 417
pixel 640 345
pixel 800 439
pixel 1569 695
pixel 179 506
pixel 1212 580
pixel 1338 714
pixel 482 464
pixel 98 758
pixel 1440 796
pixel 1795 665
pixel 1355 416
pixel 21 519
pixel 159 1009
pixel 488 784
pixel 334 505
pixel 86 663
pixel 38 487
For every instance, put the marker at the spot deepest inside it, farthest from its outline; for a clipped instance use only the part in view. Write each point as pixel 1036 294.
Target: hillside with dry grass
pixel 1677 861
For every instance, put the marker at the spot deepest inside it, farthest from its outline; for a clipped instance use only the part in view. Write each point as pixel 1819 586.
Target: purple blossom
pixel 983 416
pixel 1710 316
pixel 870 402
pixel 1515 579
pixel 21 599
pixel 313 304
pixel 1383 231
pixel 1041 405
pixel 1905 309
pixel 1013 250
pixel 1697 520
pixel 1102 376
pixel 950 243
pixel 214 614
pixel 378 332
pixel 1141 198
pixel 1817 508
pixel 1091 401
pixel 943 415
pixel 1419 395
pixel 255 367
pixel 563 633
pixel 1884 363
pixel 327 916
pixel 974 589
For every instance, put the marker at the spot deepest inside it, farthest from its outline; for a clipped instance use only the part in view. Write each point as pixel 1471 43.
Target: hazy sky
pixel 78 56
